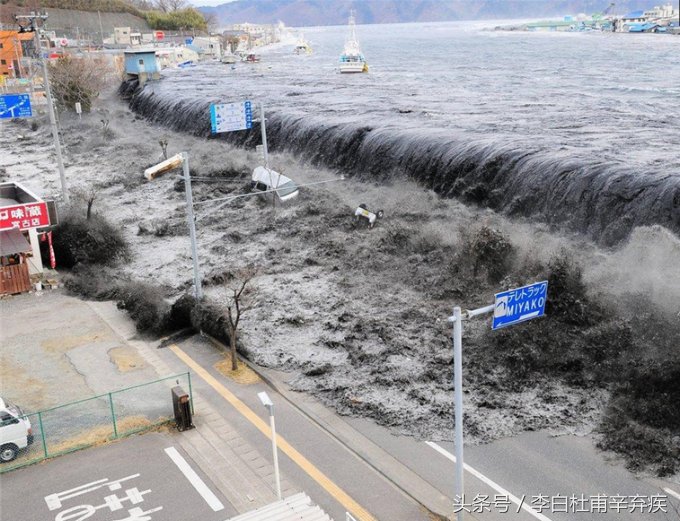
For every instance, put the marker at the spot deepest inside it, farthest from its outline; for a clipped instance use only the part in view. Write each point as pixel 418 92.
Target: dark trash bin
pixel 181 405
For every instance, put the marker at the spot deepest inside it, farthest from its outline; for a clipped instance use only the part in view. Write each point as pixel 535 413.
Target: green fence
pixel 96 420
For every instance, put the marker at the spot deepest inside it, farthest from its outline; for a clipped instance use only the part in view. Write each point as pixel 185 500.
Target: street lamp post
pixel 266 401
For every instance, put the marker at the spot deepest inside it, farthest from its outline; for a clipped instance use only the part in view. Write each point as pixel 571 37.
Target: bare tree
pixel 168 6
pixel 88 196
pixel 239 300
pixel 144 5
pixel 211 21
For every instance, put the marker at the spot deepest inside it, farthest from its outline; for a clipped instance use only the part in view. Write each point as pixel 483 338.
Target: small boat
pixel 251 58
pixel 352 59
pixel 302 46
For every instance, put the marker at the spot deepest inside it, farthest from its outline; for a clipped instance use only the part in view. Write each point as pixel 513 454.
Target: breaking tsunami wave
pixel 534 126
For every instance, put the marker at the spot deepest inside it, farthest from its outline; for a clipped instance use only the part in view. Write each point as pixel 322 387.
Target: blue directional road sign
pixel 227 117
pixel 15 106
pixel 519 304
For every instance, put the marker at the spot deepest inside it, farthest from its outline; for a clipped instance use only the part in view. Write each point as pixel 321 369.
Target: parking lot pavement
pixel 56 349
pixel 142 478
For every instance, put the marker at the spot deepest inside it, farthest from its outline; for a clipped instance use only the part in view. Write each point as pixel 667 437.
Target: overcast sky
pixel 199 3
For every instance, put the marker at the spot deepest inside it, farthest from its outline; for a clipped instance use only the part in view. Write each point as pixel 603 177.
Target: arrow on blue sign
pixel 519 304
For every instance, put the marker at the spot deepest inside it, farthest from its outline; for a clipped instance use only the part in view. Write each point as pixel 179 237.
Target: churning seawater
pixel 579 130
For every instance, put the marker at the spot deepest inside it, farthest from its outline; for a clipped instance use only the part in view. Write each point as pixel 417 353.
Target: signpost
pixel 520 304
pixel 228 117
pixel 15 106
pixel 510 307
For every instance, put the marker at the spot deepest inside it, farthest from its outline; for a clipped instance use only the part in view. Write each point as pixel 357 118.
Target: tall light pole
pixel 198 289
pixel 266 401
pixel 48 94
pixel 174 162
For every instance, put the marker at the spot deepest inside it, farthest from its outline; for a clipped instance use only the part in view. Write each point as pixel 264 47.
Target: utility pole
pixel 48 94
pixel 101 28
pixel 198 290
pixel 265 152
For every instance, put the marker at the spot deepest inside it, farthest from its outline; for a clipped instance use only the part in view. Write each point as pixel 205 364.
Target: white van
pixel 15 431
pixel 266 180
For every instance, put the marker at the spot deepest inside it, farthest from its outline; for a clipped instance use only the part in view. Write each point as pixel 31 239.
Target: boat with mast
pixel 302 46
pixel 352 59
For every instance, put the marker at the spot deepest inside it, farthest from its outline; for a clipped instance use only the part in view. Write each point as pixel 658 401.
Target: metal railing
pixel 96 420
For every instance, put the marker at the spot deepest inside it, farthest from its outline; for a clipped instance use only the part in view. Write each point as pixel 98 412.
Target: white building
pixel 664 11
pixel 210 45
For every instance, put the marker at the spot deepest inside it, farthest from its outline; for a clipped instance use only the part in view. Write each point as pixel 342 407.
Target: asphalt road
pixel 133 476
pixel 539 468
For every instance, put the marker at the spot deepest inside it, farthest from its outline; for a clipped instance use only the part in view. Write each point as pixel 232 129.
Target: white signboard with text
pixel 228 117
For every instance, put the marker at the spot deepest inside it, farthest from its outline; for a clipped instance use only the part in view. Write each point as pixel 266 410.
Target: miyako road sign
pixel 519 304
pixel 227 117
pixel 15 106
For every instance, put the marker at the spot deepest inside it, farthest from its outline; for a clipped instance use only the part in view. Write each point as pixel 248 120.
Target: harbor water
pixel 578 130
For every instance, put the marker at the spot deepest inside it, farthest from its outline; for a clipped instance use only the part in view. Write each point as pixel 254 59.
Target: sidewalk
pixel 237 469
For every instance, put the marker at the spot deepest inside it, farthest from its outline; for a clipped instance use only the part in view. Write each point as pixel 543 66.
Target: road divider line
pixel 359 512
pixel 517 501
pixel 194 479
pixel 672 493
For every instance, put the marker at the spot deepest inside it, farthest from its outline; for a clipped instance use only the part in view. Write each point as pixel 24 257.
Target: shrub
pixel 88 241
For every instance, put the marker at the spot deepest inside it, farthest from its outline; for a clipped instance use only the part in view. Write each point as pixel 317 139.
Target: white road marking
pixel 517 501
pixel 672 493
pixel 194 479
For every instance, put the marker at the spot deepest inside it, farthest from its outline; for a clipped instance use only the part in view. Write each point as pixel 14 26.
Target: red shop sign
pixel 24 216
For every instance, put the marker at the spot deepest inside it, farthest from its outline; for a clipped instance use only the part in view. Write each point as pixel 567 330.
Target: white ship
pixel 352 59
pixel 302 46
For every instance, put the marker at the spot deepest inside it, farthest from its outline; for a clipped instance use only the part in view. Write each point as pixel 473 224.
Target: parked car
pixel 15 431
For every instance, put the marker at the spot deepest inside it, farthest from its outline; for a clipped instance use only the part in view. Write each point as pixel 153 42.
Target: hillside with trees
pixel 157 14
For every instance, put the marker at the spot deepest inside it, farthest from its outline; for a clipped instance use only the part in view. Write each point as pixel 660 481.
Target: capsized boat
pixel 352 59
